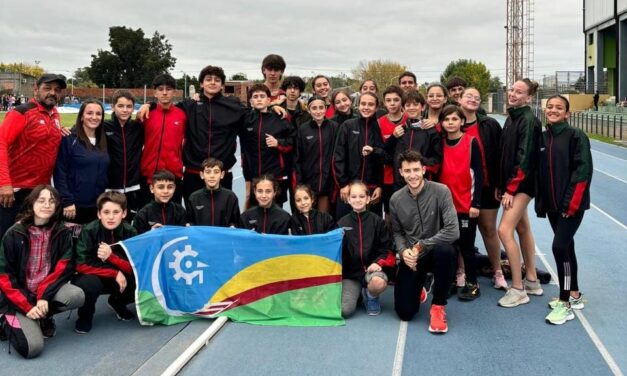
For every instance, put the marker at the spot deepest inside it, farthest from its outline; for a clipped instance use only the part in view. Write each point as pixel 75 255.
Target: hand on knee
pixel 376 286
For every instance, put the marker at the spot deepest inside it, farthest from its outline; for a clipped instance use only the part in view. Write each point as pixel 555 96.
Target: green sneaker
pixel 560 314
pixel 575 303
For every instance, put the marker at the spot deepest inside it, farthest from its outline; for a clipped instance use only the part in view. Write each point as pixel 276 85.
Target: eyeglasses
pixel 472 97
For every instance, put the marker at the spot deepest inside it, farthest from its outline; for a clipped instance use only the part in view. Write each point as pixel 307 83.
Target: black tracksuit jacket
pixel 266 221
pixel 124 145
pixel 427 141
pixel 366 240
pixel 213 207
pixel 172 214
pixel 564 171
pixel 489 137
pixel 14 255
pixel 348 162
pixel 316 223
pixel 314 155
pixel 519 142
pixel 257 157
pixel 212 128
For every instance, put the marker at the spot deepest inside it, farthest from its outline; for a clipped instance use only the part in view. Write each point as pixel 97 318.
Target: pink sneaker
pixel 460 279
pixel 499 281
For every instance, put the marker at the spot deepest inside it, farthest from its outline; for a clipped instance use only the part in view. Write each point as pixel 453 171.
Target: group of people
pixel 409 182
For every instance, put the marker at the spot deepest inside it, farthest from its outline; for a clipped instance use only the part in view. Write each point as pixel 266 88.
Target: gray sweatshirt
pixel 430 218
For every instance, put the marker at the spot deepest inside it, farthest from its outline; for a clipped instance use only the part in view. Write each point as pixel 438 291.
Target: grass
pixel 606 139
pixel 67 120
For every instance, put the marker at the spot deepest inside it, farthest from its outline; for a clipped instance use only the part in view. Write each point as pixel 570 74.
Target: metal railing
pixel 603 124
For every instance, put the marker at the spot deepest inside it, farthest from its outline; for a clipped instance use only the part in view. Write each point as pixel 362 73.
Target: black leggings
pixel 564 251
pixel 466 245
pixel 441 261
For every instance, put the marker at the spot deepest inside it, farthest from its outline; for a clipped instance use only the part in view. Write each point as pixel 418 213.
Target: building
pixel 605 29
pixel 238 89
pixel 18 84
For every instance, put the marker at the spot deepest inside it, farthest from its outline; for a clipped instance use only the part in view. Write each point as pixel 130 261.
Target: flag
pixel 184 273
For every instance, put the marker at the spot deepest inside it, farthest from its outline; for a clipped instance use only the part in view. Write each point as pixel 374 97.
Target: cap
pixel 51 77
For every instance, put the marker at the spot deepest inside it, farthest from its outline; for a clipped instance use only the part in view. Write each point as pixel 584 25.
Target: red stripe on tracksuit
pixel 575 202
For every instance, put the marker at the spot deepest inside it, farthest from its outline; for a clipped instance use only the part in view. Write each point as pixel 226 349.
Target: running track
pixel 482 338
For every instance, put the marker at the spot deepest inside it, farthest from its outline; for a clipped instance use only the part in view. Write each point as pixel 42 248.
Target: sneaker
pixel 560 314
pixel 575 303
pixel 438 319
pixel 533 288
pixel 82 326
pixel 122 313
pixel 48 327
pixel 513 298
pixel 460 279
pixel 429 282
pixel 469 292
pixel 499 281
pixel 423 295
pixel 373 307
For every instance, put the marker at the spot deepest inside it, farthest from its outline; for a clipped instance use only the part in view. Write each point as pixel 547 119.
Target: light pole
pixel 185 84
pixel 72 83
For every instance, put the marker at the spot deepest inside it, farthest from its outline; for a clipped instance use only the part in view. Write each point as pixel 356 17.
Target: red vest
pixel 456 172
pixel 387 128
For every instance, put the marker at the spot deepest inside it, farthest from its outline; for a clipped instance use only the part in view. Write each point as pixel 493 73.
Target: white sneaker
pixel 513 298
pixel 533 288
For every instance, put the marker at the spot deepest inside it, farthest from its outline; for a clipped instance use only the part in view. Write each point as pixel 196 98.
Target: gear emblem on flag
pixel 184 268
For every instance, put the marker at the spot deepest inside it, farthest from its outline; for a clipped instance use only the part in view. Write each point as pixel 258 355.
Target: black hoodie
pixel 166 214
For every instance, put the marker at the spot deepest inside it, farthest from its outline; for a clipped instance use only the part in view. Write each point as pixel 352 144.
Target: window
pixel 591 38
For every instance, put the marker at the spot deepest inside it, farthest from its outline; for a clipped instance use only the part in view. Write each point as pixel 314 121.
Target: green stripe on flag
pixel 312 306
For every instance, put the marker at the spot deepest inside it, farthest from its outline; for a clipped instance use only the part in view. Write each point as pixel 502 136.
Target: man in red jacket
pixel 29 140
pixel 164 131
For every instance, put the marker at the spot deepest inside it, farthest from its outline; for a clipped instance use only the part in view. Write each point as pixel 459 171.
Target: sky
pixel 327 37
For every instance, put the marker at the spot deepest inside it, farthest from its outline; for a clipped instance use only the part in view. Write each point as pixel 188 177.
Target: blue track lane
pixel 482 338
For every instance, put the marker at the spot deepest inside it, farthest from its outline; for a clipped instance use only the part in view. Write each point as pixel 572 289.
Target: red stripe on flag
pixel 258 293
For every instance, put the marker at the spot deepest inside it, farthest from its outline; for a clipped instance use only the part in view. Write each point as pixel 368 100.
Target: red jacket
pixel 164 132
pixel 387 128
pixel 29 141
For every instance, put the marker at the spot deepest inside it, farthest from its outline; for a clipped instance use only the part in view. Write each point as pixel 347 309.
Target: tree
pixel 81 79
pixel 495 84
pixel 473 72
pixel 239 77
pixel 383 72
pixel 24 68
pixel 133 61
pixel 191 80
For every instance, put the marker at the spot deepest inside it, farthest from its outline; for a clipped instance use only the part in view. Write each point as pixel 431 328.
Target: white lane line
pixel 188 354
pixel 609 155
pixel 610 175
pixel 609 216
pixel 586 324
pixel 397 368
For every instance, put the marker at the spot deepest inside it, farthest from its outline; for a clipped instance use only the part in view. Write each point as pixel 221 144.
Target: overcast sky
pixel 321 36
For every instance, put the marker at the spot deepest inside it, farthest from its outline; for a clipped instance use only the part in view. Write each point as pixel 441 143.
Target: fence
pixel 608 125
